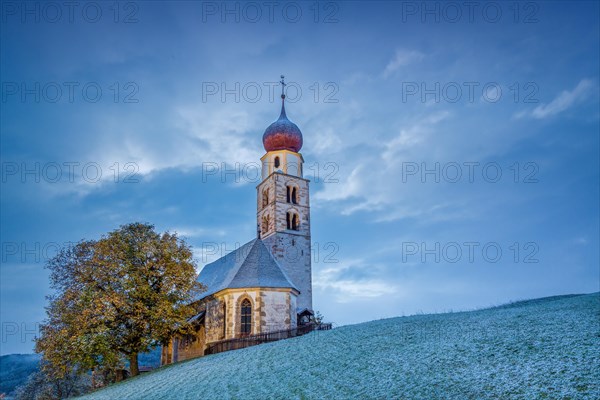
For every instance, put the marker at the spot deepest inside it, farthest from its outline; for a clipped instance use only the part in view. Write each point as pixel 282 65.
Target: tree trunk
pixel 133 364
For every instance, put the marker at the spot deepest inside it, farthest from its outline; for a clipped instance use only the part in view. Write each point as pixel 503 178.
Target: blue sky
pixel 501 100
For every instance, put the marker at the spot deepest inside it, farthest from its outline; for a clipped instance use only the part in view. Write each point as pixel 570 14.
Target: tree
pixel 76 334
pixel 43 386
pixel 318 318
pixel 116 297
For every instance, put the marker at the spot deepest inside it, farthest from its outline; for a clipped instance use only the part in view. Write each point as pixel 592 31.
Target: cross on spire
pixel 282 87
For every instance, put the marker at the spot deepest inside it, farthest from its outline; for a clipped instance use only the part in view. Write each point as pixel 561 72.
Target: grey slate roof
pixel 198 317
pixel 251 265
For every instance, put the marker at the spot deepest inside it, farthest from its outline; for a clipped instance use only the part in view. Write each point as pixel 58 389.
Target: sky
pixel 452 148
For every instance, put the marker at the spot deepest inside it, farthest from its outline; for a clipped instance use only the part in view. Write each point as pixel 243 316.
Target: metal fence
pixel 253 340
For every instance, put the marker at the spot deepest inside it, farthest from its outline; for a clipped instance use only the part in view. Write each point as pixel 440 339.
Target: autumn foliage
pixel 116 297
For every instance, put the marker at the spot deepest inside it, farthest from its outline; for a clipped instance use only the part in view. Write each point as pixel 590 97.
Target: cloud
pixel 349 280
pixel 325 141
pixel 413 135
pixel 402 58
pixel 433 212
pixel 581 240
pixel 196 231
pixel 134 148
pixel 350 187
pixel 374 183
pixel 565 100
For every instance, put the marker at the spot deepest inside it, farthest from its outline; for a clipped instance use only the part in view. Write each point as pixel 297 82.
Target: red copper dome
pixel 282 134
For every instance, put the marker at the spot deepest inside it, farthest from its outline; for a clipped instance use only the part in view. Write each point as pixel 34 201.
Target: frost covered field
pixel 537 349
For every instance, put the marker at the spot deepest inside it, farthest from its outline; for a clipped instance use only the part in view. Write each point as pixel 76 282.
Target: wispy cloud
pixel 565 100
pixel 348 281
pixel 581 240
pixel 367 187
pixel 402 58
pixel 197 231
pixel 413 134
pixel 351 186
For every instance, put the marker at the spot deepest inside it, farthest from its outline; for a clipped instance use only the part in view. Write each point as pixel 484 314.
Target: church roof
pixel 251 265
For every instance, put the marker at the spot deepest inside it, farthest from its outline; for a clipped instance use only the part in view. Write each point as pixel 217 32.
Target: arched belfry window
pixel 292 194
pixel 292 221
pixel 246 317
pixel 265 225
pixel 265 199
pixel 277 162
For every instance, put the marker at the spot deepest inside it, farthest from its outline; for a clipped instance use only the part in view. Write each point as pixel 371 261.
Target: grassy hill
pixel 537 349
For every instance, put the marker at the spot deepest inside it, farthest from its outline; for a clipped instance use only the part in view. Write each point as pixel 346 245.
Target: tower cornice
pixel 282 174
pixel 282 151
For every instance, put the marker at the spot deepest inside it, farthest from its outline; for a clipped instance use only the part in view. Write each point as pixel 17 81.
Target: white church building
pixel 265 285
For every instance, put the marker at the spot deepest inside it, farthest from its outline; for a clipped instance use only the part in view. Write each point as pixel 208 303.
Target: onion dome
pixel 282 134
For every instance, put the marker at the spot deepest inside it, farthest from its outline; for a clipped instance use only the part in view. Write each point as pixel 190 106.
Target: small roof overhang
pixel 198 318
pixel 304 311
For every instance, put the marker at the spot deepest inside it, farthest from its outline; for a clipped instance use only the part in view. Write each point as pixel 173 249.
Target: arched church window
pixel 295 222
pixel 288 194
pixel 246 317
pixel 277 162
pixel 265 224
pixel 265 199
pixel 294 196
pixel 224 319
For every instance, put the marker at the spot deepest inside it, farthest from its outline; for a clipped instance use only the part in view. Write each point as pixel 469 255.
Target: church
pixel 265 285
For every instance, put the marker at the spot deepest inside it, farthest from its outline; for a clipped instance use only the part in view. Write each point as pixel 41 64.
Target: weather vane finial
pixel 282 86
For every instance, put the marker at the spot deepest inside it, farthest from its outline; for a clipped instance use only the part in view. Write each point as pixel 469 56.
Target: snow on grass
pixel 537 349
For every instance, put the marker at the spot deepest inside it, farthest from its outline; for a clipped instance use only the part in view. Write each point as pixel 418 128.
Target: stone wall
pixel 214 319
pixel 273 310
pixel 292 253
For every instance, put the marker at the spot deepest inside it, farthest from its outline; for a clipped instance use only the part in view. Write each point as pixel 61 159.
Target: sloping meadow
pixel 544 348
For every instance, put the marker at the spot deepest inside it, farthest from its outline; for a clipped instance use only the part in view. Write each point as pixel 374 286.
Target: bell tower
pixel 283 212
